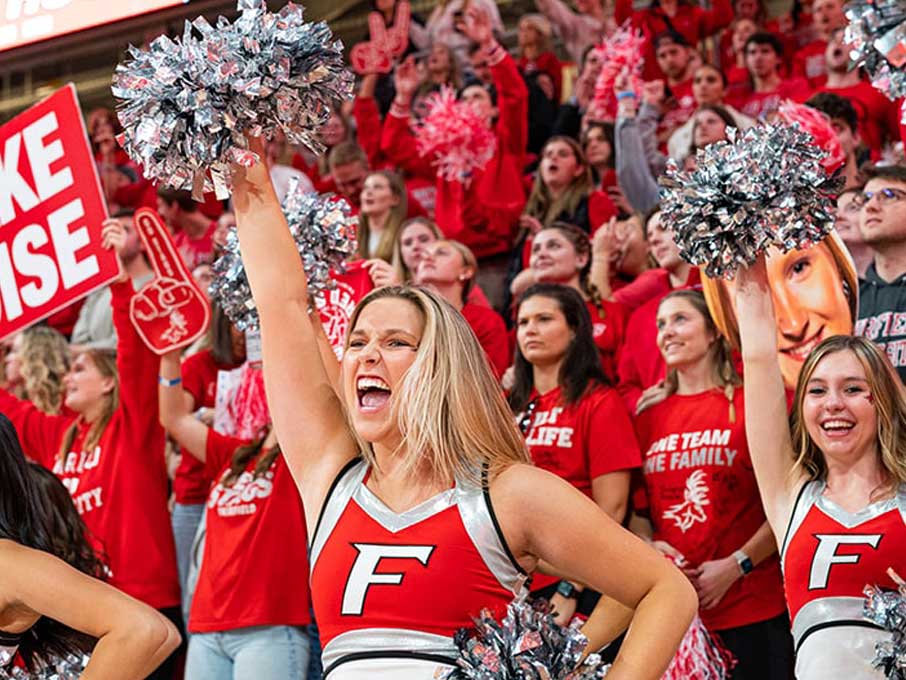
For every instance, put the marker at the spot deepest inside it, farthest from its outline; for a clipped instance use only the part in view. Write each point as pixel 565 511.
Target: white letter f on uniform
pixel 362 576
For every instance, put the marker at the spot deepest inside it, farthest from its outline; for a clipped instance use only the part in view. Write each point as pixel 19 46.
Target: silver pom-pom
pixel 70 668
pixel 527 645
pixel 766 188
pixel 188 105
pixel 877 36
pixel 324 232
pixel 888 609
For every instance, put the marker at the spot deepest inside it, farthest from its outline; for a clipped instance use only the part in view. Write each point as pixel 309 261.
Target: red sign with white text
pixel 51 211
pixel 27 21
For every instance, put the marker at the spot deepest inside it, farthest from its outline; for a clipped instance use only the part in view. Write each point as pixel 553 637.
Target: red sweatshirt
pixel 692 22
pixel 641 364
pixel 119 487
pixel 484 214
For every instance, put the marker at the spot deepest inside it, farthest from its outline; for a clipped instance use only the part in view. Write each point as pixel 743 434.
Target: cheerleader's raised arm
pixel 767 425
pixel 306 411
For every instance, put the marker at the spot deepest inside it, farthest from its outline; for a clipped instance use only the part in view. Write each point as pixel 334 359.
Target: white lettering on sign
pixel 39 156
pixel 25 261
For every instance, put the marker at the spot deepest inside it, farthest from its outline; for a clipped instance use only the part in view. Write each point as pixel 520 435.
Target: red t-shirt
pixel 703 497
pixel 120 487
pixel 196 251
pixel 336 306
pixel 759 105
pixel 877 115
pixel 199 378
pixel 582 441
pixel 808 62
pixel 491 333
pixel 255 566
pixel 608 329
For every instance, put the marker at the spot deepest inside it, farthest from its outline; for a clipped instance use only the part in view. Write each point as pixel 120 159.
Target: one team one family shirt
pixel 703 499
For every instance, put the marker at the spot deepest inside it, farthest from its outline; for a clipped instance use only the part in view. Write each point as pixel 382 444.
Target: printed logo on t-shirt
pixel 239 499
pixel 336 307
pixel 692 510
pixel 683 450
pixel 886 331
pixel 544 432
pixel 598 329
pixel 69 469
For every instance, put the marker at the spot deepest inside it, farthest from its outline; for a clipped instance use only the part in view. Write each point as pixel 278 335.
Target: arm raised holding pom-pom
pixel 767 426
pixel 304 406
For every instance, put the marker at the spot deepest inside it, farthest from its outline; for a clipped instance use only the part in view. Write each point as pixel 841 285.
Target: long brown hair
pixel 105 361
pixel 723 369
pixel 245 453
pixel 889 400
pixel 391 233
pixel 542 206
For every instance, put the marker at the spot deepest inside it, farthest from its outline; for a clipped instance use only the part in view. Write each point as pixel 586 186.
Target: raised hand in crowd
pixel 382 273
pixel 406 80
pixel 477 26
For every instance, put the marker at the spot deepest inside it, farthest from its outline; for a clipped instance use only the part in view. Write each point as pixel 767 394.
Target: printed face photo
pixel 813 291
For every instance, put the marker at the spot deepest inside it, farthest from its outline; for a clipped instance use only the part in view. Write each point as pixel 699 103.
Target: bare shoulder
pixel 11 552
pixel 522 485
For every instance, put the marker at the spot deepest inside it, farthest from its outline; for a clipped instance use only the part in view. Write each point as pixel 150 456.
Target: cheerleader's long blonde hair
pixel 449 408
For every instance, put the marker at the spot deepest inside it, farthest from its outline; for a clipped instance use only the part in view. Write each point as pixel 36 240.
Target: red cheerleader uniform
pixel 391 589
pixel 829 555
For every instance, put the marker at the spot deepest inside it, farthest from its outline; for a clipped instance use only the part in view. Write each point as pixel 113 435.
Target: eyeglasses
pixel 525 420
pixel 885 196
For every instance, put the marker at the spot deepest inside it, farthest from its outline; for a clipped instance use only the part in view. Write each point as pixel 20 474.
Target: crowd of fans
pixel 554 253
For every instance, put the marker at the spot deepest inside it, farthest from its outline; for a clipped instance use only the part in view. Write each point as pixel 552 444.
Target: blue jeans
pixel 185 521
pixel 315 671
pixel 261 652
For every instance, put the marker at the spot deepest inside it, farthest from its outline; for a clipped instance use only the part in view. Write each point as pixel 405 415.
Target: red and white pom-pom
pixel 701 656
pixel 454 136
pixel 819 127
pixel 624 49
pixel 248 409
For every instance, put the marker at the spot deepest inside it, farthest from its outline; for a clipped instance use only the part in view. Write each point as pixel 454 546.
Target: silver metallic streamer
pixel 766 188
pixel 877 37
pixel 888 609
pixel 188 105
pixel 324 232
pixel 527 645
pixel 70 668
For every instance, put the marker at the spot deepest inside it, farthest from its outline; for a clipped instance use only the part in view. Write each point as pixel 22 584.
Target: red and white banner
pixel 170 311
pixel 27 21
pixel 51 212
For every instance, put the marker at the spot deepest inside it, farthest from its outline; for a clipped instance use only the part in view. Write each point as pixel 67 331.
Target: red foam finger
pixel 162 253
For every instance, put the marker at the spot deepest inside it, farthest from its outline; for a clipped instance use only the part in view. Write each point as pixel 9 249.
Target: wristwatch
pixel 568 590
pixel 744 562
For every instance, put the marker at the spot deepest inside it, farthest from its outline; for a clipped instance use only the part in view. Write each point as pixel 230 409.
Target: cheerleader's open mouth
pixel 373 393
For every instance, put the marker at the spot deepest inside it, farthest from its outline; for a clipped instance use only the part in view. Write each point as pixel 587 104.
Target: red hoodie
pixel 119 487
pixel 641 364
pixel 484 214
